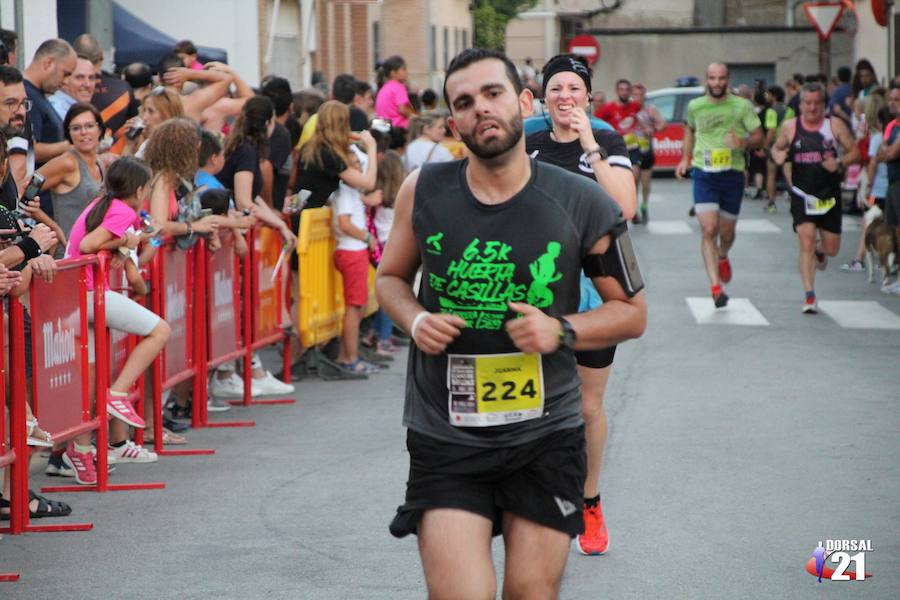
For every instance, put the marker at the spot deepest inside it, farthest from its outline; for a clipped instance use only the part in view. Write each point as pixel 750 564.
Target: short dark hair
pixel 621 81
pixel 474 55
pixel 210 145
pixel 216 200
pixel 844 74
pixel 429 97
pixel 79 108
pixel 278 90
pixel 185 47
pixel 343 88
pixel 10 39
pixel 169 61
pixel 10 75
pixel 777 92
pixel 884 115
pixel 138 75
pixel 362 88
pixel 798 78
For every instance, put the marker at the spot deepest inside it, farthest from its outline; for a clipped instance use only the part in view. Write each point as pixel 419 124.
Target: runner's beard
pixel 498 145
pixel 623 100
pixel 717 94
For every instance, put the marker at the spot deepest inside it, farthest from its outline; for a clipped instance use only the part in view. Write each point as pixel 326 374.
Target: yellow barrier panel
pixel 320 299
pixel 321 305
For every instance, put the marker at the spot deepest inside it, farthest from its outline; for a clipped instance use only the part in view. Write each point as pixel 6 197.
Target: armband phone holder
pixel 619 261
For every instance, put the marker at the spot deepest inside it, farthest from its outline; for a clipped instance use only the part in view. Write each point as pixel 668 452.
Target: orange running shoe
pixel 595 539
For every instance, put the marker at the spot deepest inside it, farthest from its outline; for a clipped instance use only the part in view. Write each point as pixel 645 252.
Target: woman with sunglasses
pixel 158 106
pixel 74 178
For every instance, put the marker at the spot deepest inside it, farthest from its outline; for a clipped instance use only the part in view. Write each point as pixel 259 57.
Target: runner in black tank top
pixel 813 144
pixel 492 402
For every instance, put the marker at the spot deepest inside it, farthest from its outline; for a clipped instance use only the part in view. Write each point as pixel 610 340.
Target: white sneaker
pixel 270 385
pixel 217 405
pixel 233 387
pixel 131 453
pixel 894 288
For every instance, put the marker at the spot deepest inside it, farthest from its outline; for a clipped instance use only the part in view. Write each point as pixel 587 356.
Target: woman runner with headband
pixel 602 155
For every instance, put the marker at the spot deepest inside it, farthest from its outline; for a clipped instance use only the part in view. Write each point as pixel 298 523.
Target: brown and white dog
pixel 881 241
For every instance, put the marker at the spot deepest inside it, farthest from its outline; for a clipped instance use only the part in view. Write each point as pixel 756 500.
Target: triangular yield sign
pixel 824 16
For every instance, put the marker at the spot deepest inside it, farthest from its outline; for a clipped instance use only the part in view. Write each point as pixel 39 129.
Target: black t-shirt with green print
pixel 476 258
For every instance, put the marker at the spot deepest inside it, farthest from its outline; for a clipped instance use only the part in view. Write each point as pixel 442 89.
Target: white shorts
pixel 122 314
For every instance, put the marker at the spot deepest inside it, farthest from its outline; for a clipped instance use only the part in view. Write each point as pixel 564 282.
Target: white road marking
pixel 740 311
pixel 669 227
pixel 757 226
pixel 860 314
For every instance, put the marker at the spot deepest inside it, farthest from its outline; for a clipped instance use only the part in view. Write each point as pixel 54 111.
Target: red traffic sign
pixel 824 16
pixel 880 10
pixel 586 46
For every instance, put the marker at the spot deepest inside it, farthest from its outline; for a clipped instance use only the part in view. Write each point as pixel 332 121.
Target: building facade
pixel 658 41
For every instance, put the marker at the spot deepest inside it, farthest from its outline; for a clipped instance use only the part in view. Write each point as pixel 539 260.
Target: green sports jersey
pixel 710 122
pixel 775 116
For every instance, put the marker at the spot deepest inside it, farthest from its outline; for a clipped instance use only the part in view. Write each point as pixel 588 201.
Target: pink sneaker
pixel 82 463
pixel 120 408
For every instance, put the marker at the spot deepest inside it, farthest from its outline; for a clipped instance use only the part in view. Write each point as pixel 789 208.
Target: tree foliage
pixel 490 18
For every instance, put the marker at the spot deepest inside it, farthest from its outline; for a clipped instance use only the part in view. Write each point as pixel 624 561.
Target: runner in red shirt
pixel 621 114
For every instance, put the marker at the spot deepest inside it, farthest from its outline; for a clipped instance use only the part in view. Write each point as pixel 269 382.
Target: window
pixel 433 44
pixel 665 105
pixel 446 47
pixel 376 41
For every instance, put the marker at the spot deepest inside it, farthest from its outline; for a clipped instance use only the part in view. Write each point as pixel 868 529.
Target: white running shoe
pixel 215 404
pixel 894 288
pixel 131 453
pixel 270 385
pixel 233 387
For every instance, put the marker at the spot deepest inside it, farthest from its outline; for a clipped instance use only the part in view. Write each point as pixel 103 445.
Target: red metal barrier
pixel 172 298
pixel 60 360
pixel 49 364
pixel 217 330
pixel 263 314
pixel 7 454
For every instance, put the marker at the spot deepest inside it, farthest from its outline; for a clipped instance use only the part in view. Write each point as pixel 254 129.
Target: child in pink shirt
pixel 392 101
pixel 104 225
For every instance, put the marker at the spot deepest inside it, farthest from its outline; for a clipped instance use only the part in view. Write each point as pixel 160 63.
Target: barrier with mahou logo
pixel 218 332
pixel 172 298
pixel 53 379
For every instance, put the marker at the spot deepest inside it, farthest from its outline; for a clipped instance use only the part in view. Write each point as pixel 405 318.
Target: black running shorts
pixel 830 221
pixel 542 481
pixel 596 359
pixel 892 205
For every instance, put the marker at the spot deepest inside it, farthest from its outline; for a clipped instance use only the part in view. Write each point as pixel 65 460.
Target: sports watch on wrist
pixel 567 335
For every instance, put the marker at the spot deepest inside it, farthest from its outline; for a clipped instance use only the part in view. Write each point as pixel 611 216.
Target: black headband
pixel 563 64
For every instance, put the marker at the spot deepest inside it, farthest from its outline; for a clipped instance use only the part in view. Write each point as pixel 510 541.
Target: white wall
pixel 228 24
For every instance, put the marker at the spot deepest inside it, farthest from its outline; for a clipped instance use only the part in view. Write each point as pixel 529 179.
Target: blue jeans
pixel 383 325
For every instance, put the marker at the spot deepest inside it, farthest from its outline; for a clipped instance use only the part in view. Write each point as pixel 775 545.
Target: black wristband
pixel 30 248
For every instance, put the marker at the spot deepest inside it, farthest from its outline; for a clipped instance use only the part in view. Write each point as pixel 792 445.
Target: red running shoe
pixel 724 270
pixel 595 539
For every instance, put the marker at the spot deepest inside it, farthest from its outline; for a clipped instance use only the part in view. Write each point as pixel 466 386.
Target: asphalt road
pixel 733 450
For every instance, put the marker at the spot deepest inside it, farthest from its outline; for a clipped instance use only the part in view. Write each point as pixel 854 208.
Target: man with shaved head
pixel 112 96
pixel 53 61
pixel 720 127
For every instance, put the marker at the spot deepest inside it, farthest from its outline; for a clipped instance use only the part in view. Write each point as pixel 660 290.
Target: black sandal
pixel 46 507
